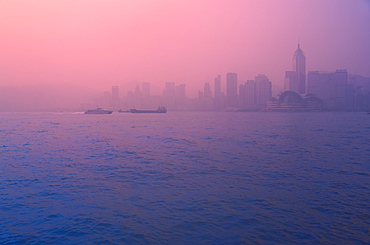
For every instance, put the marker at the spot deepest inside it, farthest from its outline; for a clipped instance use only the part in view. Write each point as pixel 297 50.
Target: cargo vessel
pixel 160 109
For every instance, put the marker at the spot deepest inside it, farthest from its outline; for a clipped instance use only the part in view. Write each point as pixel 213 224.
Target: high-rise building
pixel 332 88
pixel 242 95
pixel 296 80
pixel 231 90
pixel 361 86
pixel 207 91
pixel 250 92
pixel 263 90
pixel 340 81
pixel 299 66
pixel 218 94
pixel 115 97
pixel 146 100
pixel 291 82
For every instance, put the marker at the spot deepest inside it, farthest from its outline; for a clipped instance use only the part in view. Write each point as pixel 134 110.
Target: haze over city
pixel 97 44
pixel 184 121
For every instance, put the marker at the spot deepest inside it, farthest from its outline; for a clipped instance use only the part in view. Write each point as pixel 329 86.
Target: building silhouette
pixel 333 89
pixel 180 99
pixel 263 90
pixel 231 89
pixel 295 80
pixel 247 94
pixel 207 91
pixel 242 96
pixel 250 92
pixel 218 95
pixel 292 101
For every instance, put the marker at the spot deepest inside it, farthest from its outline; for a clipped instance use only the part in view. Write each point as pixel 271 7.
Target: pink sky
pixel 100 43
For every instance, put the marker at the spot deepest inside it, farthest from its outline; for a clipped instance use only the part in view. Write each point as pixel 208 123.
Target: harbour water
pixel 185 178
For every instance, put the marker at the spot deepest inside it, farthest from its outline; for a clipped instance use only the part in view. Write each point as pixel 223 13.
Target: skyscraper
pixel 207 91
pixel 296 80
pixel 218 96
pixel 299 66
pixel 263 90
pixel 332 88
pixel 231 90
pixel 146 98
pixel 291 82
pixel 180 97
pixel 242 95
pixel 250 87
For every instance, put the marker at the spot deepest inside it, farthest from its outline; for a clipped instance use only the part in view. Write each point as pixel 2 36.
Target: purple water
pixel 185 178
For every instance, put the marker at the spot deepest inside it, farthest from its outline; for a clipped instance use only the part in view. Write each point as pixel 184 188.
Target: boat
pixel 160 109
pixel 98 111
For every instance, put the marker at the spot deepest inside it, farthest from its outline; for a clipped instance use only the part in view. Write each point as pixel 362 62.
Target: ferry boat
pixel 98 111
pixel 160 109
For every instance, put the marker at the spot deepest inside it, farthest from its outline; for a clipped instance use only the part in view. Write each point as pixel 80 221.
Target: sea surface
pixel 185 178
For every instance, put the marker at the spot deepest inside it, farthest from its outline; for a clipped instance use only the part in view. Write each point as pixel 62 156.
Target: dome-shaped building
pixel 312 102
pixel 290 101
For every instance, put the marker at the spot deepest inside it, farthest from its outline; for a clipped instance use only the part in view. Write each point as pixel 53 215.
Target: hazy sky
pixel 101 43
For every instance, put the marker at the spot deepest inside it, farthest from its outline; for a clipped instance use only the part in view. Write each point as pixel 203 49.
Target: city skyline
pixel 98 45
pixel 328 90
pixel 184 121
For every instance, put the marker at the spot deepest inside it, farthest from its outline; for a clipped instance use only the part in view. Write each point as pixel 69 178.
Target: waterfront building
pixel 361 86
pixel 250 92
pixel 263 90
pixel 207 91
pixel 291 81
pixel 218 96
pixel 333 88
pixel 295 80
pixel 242 96
pixel 292 101
pixel 299 66
pixel 231 89
pixel 180 99
pixel 247 94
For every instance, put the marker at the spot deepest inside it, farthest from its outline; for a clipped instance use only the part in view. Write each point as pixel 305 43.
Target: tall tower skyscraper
pixel 295 80
pixel 231 89
pixel 299 66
